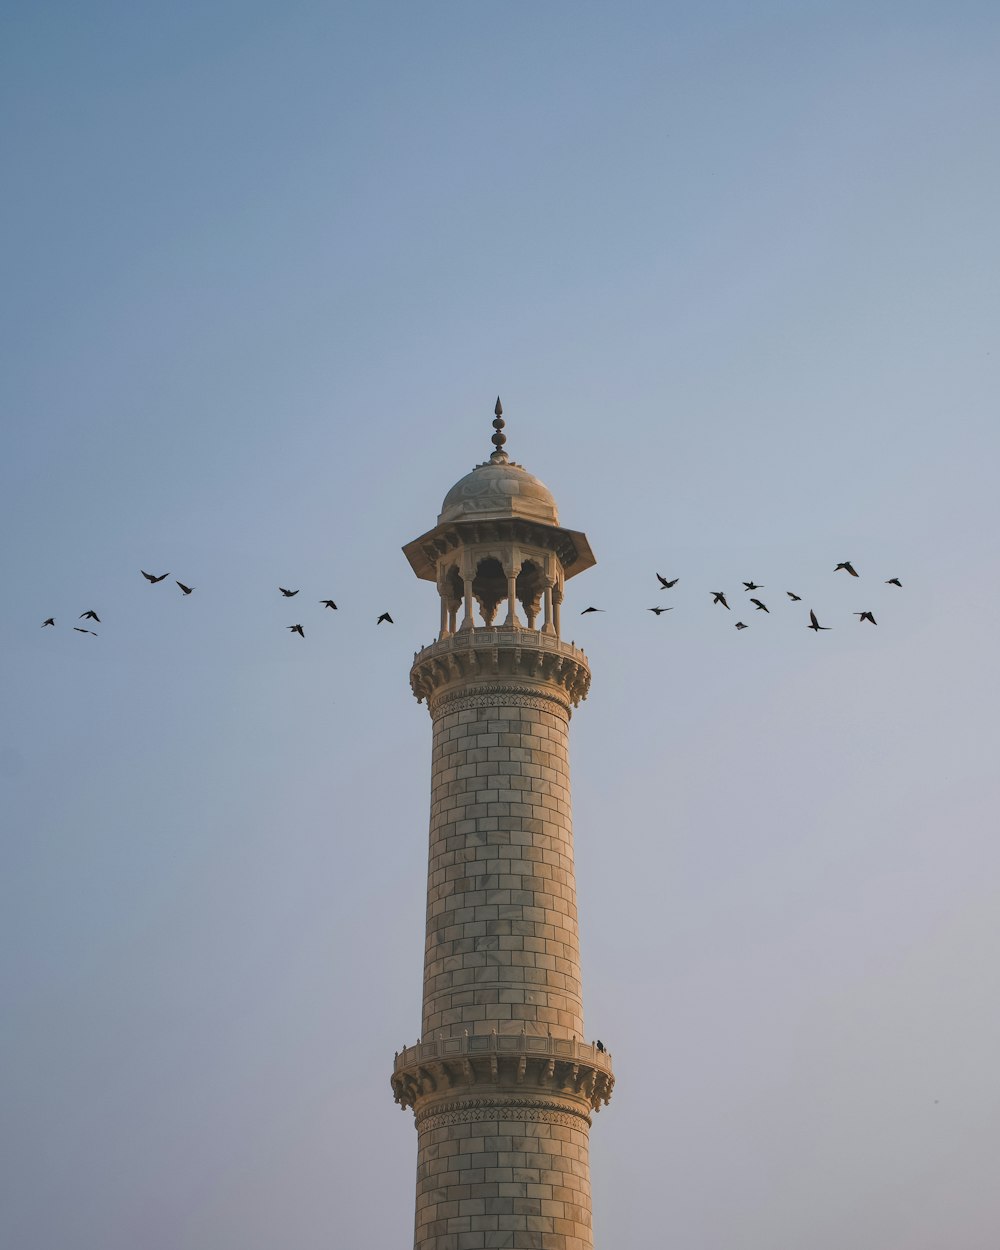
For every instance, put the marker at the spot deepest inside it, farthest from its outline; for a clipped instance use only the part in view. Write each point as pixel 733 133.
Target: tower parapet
pixel 502 1083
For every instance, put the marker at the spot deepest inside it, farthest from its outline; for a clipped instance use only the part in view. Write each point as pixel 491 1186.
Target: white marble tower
pixel 502 1083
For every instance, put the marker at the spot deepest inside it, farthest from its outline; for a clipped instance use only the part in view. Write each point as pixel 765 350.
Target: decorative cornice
pixel 431 1075
pixel 570 546
pixel 468 664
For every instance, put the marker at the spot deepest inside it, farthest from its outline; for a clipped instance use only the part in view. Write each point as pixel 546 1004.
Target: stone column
pixel 468 622
pixel 511 572
pixel 502 1083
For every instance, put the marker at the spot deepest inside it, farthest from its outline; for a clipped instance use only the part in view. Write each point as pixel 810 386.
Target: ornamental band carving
pixel 493 695
pixel 500 1109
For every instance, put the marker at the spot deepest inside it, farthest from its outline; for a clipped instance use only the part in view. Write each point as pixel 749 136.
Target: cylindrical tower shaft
pixel 502 952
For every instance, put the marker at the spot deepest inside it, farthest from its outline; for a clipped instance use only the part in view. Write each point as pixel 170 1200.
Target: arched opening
pixel 489 586
pixel 530 588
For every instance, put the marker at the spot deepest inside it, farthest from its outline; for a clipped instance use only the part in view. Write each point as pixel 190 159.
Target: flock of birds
pixel 154 578
pixel 719 596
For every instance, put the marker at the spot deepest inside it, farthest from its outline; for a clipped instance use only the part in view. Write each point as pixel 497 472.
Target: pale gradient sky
pixel 733 268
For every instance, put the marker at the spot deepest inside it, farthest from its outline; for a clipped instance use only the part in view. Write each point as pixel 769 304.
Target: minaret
pixel 502 1081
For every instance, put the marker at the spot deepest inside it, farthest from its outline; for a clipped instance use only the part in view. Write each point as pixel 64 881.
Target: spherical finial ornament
pixel 499 438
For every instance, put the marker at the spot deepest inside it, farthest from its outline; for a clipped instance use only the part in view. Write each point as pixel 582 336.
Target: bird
pixel 752 586
pixel 151 579
pixel 187 589
pixel 287 593
pixel 740 625
pixel 385 617
pixel 328 603
pixel 600 1046
pixel 89 616
pixel 664 584
pixel 814 624
pixel 793 596
pixel 586 610
pixel 761 607
pixel 865 616
pixel 893 581
pixel 51 621
pixel 848 567
pixel 83 631
pixel 659 610
pixel 297 629
pixel 719 597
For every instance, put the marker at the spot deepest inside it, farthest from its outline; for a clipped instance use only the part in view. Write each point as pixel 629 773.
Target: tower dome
pixel 496 491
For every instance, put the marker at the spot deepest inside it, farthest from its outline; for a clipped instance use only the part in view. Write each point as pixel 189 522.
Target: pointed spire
pixel 499 438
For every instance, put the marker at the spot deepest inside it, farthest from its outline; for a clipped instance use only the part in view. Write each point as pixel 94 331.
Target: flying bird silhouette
pixel 814 624
pixel 865 616
pixel 586 610
pixel 151 579
pixel 664 584
pixel 83 631
pixel 187 589
pixel 51 621
pixel 659 610
pixel 848 566
pixel 288 593
pixel 794 597
pixel 385 617
pixel 752 586
pixel 718 596
pixel 89 616
pixel 893 581
pixel 740 625
pixel 297 629
pixel 761 607
pixel 328 603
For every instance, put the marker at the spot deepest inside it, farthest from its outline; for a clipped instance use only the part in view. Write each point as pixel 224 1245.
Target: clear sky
pixel 733 269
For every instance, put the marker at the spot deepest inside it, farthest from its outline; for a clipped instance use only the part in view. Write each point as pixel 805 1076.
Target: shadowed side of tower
pixel 502 1083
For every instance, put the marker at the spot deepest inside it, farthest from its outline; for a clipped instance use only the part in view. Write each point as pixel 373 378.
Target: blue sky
pixel 733 271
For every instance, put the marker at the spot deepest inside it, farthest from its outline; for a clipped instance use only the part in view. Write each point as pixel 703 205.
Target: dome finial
pixel 499 438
